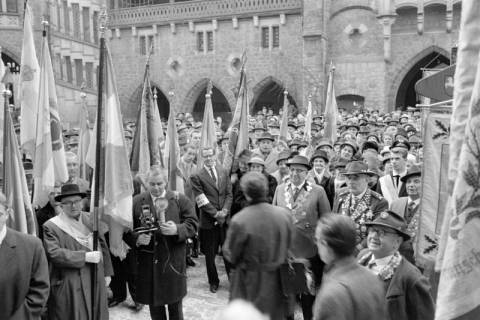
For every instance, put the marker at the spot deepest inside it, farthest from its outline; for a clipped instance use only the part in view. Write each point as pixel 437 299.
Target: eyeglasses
pixel 297 170
pixel 380 232
pixel 71 203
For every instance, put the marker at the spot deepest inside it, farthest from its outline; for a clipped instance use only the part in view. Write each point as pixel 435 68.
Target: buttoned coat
pixel 161 266
pixel 350 292
pixel 219 194
pixel 257 244
pixel 408 295
pixel 24 279
pixel 71 276
pixel 305 210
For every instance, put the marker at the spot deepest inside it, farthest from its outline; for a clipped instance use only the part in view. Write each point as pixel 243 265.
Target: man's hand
pixel 107 281
pixel 143 239
pixel 169 228
pixel 93 256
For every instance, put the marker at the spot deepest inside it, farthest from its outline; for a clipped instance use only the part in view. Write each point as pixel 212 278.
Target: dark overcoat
pixel 71 277
pixel 257 244
pixel 408 295
pixel 24 283
pixel 161 267
pixel 350 292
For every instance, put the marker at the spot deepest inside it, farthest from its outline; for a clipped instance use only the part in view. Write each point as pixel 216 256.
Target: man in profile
pixel 24 280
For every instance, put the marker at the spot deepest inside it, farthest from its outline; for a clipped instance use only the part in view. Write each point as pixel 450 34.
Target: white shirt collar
pixel 160 196
pixel 400 174
pixel 3 234
pixel 379 264
pixel 417 202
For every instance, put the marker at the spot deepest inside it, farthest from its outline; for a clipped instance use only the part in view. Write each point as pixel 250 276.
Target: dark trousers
pixel 175 312
pixel 307 300
pixel 124 273
pixel 210 242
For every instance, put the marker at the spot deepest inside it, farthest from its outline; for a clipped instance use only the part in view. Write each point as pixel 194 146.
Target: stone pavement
pixel 199 304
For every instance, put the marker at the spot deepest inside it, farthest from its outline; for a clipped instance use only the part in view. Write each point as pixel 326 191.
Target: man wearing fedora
pixel 357 200
pixel 307 203
pixel 409 208
pixel 282 174
pixel 321 175
pixel 408 295
pixel 267 152
pixel 68 242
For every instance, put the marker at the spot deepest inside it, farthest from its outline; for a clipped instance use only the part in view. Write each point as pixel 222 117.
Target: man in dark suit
pixel 409 208
pixel 391 186
pixel 24 279
pixel 408 295
pixel 160 252
pixel 213 194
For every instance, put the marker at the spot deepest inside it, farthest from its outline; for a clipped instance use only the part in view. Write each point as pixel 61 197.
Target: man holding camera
pixel 162 221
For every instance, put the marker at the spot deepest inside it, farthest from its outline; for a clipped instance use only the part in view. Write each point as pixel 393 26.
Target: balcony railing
pixel 198 10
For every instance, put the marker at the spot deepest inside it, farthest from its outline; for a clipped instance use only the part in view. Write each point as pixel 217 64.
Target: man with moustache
pixel 408 295
pixel 357 201
pixel 307 202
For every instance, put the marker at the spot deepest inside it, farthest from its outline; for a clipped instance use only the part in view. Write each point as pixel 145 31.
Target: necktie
pixel 371 264
pixel 397 177
pixel 213 175
pixel 410 211
pixel 296 192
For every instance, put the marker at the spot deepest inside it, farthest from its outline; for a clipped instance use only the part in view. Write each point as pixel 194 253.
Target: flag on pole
pixel 29 85
pixel 148 134
pixel 331 110
pixel 116 189
pixel 308 151
pixel 209 137
pixel 459 286
pixel 50 166
pixel 22 217
pixel 2 103
pixel 284 136
pixel 238 131
pixel 85 136
pixel 172 155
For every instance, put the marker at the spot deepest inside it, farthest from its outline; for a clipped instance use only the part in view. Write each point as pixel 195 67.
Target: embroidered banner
pixel 436 124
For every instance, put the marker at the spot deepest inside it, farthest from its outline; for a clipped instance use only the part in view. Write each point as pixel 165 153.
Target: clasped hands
pixel 221 215
pixel 168 228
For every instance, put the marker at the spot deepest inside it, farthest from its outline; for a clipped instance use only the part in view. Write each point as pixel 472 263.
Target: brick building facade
pixel 378 47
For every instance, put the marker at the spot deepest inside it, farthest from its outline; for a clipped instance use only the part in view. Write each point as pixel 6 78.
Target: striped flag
pixel 29 86
pixel 459 286
pixel 209 137
pixel 172 155
pixel 50 166
pixel 148 134
pixel 331 110
pixel 238 131
pixel 116 189
pixel 16 190
pixel 284 136
pixel 85 136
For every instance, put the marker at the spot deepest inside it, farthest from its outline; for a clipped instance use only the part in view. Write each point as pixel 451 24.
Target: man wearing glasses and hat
pixel 307 203
pixel 357 200
pixel 68 242
pixel 408 295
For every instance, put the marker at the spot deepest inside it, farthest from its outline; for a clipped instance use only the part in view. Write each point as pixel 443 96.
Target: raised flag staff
pixel 209 138
pixel 284 136
pixel 331 110
pixel 6 95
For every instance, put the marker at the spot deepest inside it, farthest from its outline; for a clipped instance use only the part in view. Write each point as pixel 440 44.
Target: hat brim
pixel 260 139
pixel 61 196
pixel 404 235
pixel 368 173
pixel 405 177
pixel 300 164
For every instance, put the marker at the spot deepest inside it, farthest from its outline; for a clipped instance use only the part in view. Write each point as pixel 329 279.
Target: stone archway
pixel 269 93
pixel 402 93
pixel 195 102
pixel 163 103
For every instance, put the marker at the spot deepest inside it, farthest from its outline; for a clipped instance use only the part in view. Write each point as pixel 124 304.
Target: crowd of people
pixel 347 210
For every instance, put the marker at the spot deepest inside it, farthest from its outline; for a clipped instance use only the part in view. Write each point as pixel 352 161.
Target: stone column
pixel 386 17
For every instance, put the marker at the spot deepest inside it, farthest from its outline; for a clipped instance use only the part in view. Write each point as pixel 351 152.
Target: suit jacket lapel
pixel 8 246
pixel 209 178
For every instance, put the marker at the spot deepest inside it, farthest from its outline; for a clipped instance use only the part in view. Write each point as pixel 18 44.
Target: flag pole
pixel 6 94
pixel 98 156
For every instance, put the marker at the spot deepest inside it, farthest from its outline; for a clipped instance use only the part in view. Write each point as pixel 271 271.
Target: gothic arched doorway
pixel 269 94
pixel 163 104
pixel 406 95
pixel 220 105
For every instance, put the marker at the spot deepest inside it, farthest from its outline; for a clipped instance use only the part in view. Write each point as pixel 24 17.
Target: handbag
pixel 293 277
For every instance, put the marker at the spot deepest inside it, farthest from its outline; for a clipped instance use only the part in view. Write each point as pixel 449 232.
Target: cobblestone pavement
pixel 199 304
